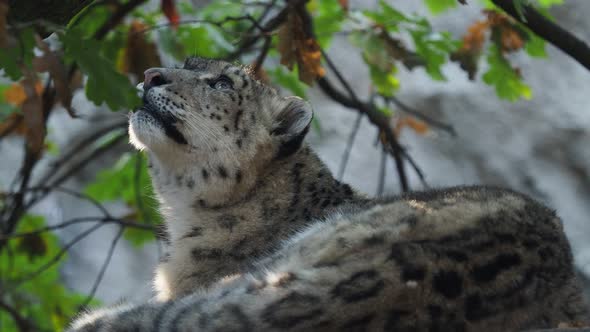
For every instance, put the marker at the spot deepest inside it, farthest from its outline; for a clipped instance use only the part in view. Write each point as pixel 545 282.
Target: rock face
pixel 539 147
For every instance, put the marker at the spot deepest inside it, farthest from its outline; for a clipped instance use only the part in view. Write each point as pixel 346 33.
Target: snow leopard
pixel 262 237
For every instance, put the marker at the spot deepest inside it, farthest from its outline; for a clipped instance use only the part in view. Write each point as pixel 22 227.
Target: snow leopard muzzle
pixel 166 120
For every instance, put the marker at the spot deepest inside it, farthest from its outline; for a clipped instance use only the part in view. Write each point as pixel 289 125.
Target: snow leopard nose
pixel 154 77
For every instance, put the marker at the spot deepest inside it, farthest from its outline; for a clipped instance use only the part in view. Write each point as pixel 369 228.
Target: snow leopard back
pixel 460 259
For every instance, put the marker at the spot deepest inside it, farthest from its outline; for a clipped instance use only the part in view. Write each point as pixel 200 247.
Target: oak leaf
pixel 504 31
pixel 297 46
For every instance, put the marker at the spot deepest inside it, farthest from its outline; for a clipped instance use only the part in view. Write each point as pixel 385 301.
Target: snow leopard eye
pixel 222 83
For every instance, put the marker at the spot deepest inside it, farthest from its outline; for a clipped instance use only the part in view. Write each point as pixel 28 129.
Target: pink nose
pixel 153 77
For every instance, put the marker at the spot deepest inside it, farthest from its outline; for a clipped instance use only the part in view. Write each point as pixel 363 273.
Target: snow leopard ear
pixel 290 124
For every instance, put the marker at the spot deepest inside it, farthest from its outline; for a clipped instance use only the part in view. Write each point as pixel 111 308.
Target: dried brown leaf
pixel 473 42
pixel 344 4
pixel 169 9
pixel 418 126
pixel 296 46
pixel 32 108
pixel 140 53
pixel 52 62
pixel 286 44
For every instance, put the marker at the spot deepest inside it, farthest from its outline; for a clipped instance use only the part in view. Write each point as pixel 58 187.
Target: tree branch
pixel 103 268
pixel 433 122
pixel 272 24
pixel 55 258
pixel 117 17
pixel 377 118
pixel 349 143
pixel 22 323
pixel 549 31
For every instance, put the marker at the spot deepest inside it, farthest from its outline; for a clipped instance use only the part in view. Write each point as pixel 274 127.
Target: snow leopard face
pixel 212 130
pixel 212 110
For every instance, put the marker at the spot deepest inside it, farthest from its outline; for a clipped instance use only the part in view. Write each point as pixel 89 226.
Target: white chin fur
pixel 143 133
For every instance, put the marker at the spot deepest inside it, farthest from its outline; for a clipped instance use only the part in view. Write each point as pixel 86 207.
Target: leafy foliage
pixel 17 54
pixel 504 78
pixel 439 6
pixel 328 16
pixel 104 83
pixel 44 301
pixel 128 180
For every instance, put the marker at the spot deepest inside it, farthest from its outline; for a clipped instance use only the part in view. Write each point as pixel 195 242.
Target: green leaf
pixel 439 6
pixel 434 48
pixel 385 110
pixel 535 46
pixel 328 16
pixel 200 40
pixel 20 54
pixel 375 51
pixel 169 43
pixel 504 78
pixel 387 16
pixel 288 80
pixel 121 183
pixel 384 82
pixel 105 84
pixel 90 19
pixel 549 3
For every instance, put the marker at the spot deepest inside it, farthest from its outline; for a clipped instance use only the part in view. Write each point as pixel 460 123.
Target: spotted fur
pixel 262 237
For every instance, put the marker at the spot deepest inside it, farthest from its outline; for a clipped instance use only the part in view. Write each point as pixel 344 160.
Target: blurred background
pixel 407 95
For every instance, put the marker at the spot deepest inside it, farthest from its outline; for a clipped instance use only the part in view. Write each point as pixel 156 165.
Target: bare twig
pixel 77 167
pixel 432 122
pixel 56 258
pixel 377 118
pixel 382 173
pixel 349 143
pixel 271 25
pixel 103 268
pixel 116 17
pixel 21 322
pixel 75 194
pixel 101 220
pixel 262 56
pixel 416 168
pixel 81 145
pixel 220 23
